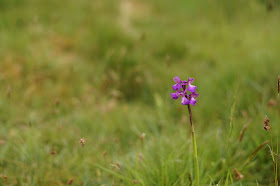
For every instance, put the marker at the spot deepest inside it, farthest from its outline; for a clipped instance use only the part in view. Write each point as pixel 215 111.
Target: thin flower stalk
pixel 268 127
pixel 194 148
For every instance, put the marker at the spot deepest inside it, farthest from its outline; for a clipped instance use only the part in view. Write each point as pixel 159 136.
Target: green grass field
pixel 102 71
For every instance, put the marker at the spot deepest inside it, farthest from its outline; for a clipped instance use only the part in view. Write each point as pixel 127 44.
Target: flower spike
pixel 182 87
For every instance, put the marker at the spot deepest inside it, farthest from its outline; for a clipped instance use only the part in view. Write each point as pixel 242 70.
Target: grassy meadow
pixel 102 71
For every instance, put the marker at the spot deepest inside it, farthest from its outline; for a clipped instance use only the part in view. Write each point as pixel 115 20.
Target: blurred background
pixel 102 70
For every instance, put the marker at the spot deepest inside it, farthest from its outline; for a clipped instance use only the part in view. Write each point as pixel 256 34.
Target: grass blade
pixel 254 153
pixel 226 183
pixel 113 173
pixel 276 165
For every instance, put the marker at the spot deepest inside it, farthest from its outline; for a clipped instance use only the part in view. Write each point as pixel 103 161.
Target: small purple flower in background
pixel 182 87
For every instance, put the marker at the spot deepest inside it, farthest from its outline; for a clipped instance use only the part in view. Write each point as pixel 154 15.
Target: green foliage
pixel 102 70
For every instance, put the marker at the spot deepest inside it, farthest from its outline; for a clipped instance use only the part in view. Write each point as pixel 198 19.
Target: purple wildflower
pixel 191 80
pixel 182 87
pixel 191 87
pixel 194 95
pixel 193 101
pixel 185 101
pixel 177 79
pixel 174 95
pixel 177 86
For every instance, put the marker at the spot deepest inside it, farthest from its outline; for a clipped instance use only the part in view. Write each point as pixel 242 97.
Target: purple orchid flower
pixel 185 101
pixel 177 79
pixel 177 86
pixel 181 87
pixel 191 87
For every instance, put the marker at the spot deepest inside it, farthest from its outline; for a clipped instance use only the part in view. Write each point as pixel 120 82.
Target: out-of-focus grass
pixel 103 70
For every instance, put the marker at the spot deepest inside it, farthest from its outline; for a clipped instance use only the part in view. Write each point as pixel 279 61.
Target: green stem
pixel 194 149
pixel 272 154
pixel 276 167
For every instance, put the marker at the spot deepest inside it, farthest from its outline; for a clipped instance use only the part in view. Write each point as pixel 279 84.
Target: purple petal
pixel 190 80
pixel 180 93
pixel 185 101
pixel 193 101
pixel 176 86
pixel 192 88
pixel 184 82
pixel 194 95
pixel 177 79
pixel 174 95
